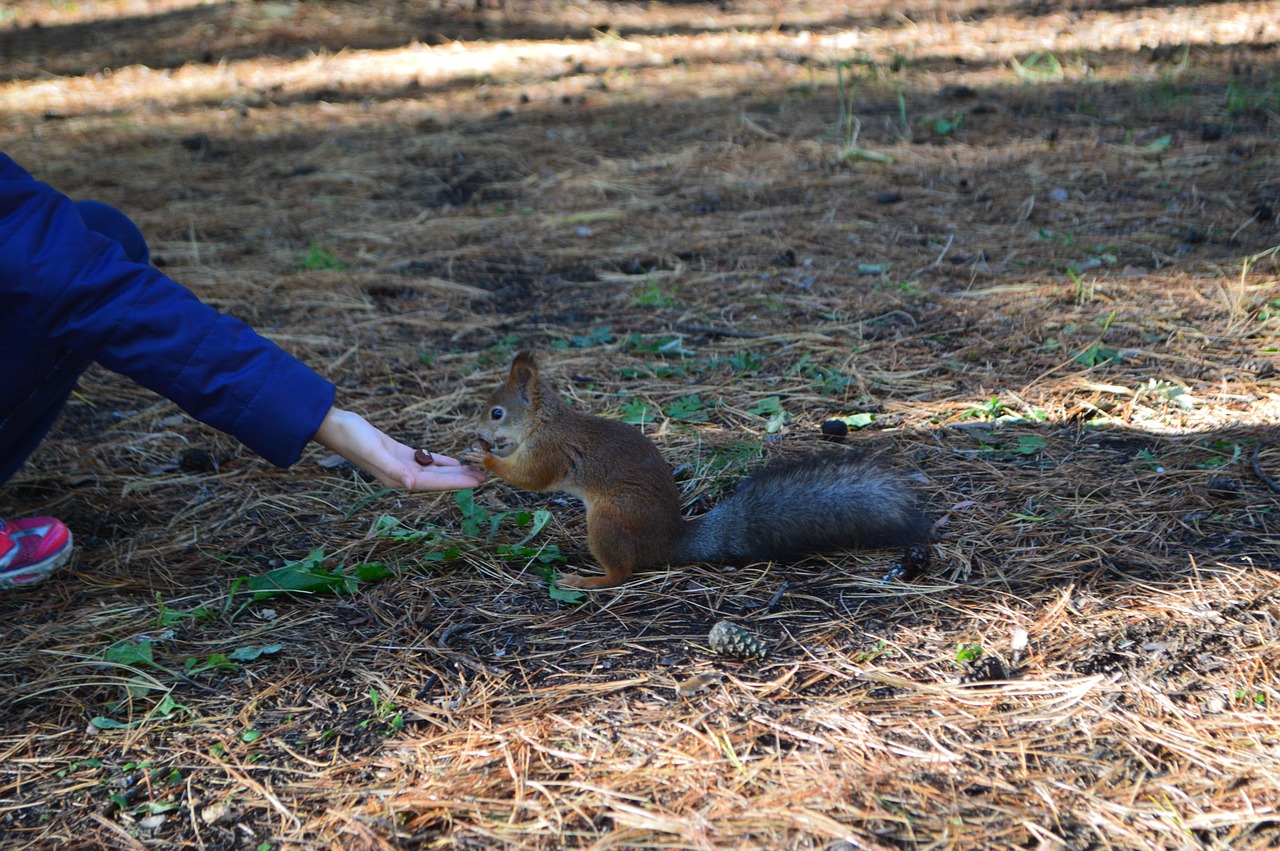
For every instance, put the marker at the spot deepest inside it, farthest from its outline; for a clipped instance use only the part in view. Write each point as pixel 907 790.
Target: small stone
pixel 958 92
pixel 216 813
pixel 835 428
pixel 1211 132
pixel 197 461
pixel 199 143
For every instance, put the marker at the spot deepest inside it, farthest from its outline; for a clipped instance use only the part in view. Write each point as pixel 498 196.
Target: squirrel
pixel 529 437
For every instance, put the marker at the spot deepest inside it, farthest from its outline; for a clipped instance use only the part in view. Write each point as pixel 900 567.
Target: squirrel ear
pixel 524 376
pixel 526 358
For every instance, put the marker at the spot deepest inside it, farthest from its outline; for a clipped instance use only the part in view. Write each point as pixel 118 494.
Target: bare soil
pixel 1036 242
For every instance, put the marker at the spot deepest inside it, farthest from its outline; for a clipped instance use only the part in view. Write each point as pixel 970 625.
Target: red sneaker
pixel 31 549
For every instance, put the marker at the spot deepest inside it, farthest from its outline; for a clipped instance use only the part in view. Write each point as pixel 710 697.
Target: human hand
pixel 389 461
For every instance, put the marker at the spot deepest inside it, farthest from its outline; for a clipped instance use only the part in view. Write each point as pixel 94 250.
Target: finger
pixel 456 478
pixel 396 476
pixel 405 481
pixel 464 474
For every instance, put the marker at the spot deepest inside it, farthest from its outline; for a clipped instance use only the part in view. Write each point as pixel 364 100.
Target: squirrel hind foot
pixel 588 583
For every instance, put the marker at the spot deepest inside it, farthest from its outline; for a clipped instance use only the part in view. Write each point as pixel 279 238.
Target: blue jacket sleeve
pixel 78 291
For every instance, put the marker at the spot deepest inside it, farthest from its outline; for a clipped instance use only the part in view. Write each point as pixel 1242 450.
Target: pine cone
pixel 729 639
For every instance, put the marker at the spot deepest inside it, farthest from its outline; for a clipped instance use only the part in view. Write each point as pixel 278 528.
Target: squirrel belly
pixel 818 503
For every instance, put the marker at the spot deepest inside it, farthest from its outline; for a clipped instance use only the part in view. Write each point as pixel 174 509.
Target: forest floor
pixel 1028 251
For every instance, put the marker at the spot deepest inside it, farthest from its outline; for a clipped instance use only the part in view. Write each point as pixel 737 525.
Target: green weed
pixel 733 457
pixel 1224 454
pixel 1029 444
pixel 688 409
pixel 857 421
pixel 1244 97
pixel 774 414
pixel 599 336
pixel 385 713
pixel 1167 391
pixel 638 412
pixel 664 345
pixel 849 126
pixel 320 258
pixel 829 381
pixel 748 361
pixel 1249 697
pixel 945 126
pixel 992 409
pixel 652 295
pixel 1096 354
pixel 1269 310
pixel 1039 67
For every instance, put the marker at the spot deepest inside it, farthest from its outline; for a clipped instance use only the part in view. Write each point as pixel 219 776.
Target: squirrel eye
pixel 496 413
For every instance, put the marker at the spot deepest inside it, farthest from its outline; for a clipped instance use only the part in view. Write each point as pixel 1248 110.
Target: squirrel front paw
pixel 475 456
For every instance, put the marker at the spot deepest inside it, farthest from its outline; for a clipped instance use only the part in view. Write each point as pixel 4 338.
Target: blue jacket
pixel 66 289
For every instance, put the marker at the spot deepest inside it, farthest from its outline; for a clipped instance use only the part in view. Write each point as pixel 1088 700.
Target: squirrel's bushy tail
pixel 818 503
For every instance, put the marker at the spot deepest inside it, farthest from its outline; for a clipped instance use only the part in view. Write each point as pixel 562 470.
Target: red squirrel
pixel 530 438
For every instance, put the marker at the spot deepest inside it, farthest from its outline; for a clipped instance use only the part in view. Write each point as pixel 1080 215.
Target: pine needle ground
pixel 1031 253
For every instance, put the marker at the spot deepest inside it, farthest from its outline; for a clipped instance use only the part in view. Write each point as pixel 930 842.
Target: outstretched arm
pixel 389 461
pixel 68 291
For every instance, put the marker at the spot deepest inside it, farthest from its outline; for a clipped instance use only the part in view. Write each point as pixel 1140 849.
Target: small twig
pixel 124 836
pixel 777 595
pixel 450 632
pixel 442 647
pixel 937 262
pixel 1025 210
pixel 719 332
pixel 1246 224
pixel 757 129
pixel 900 313
pixel 260 788
pixel 1257 468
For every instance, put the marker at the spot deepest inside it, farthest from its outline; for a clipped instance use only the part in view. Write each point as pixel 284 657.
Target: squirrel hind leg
pixel 617 569
pixel 613 546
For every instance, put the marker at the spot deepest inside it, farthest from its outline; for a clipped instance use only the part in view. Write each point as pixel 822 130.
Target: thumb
pixel 393 474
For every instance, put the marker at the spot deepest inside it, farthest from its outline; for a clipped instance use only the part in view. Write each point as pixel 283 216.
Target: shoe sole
pixel 36 573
